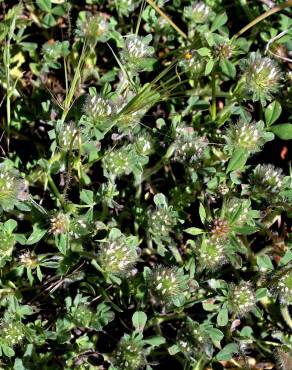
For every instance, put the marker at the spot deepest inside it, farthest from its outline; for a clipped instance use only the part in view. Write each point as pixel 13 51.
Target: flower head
pixel 92 28
pixel 130 354
pixel 241 298
pixel 12 188
pixel 12 333
pixel 59 224
pixel 248 136
pixel 223 50
pixel 261 77
pixel 211 253
pixel 117 257
pixel 282 287
pixel 192 63
pixel 28 259
pixel 136 51
pixel 117 162
pixel 98 109
pixel 266 180
pixel 194 340
pixel 65 134
pixel 189 147
pixel 168 285
pixel 197 13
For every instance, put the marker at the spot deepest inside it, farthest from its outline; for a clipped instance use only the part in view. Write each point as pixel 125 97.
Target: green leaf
pixel 202 213
pixel 155 341
pixel 173 350
pixel 219 21
pixel 272 112
pixel 227 67
pixel 160 200
pixel 7 350
pixel 215 334
pixel 36 235
pixel 238 160
pixel 285 259
pixel 18 364
pixel 227 352
pixel 246 332
pixel 264 262
pixel 209 67
pixel 261 293
pixel 87 196
pixel 44 5
pixel 139 320
pixel 49 21
pixel 222 317
pixel 194 231
pixel 10 225
pixel 204 52
pixel 283 131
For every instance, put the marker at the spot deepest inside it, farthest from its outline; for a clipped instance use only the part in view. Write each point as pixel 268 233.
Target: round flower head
pixel 168 285
pixel 162 221
pixel 261 77
pixel 211 253
pixel 192 63
pixel 7 241
pixel 92 28
pixel 12 333
pixel 223 51
pixel 266 180
pixel 126 7
pixel 283 287
pixel 59 224
pixel 188 146
pixel 220 229
pixel 130 354
pixel 136 51
pixel 144 144
pixel 237 210
pixel 28 259
pixel 12 188
pixel 248 136
pixel 193 340
pixel 197 13
pixel 81 315
pixel 65 134
pixel 98 109
pixel 78 228
pixel 241 298
pixel 116 257
pixel 117 162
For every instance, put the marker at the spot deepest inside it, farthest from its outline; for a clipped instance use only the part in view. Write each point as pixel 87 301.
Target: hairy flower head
pixel 198 12
pixel 241 298
pixel 12 188
pixel 130 354
pixel 117 257
pixel 136 51
pixel 261 77
pixel 168 285
pixel 249 136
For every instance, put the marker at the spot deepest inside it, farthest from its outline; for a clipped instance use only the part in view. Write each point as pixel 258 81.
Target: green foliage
pixel 145 185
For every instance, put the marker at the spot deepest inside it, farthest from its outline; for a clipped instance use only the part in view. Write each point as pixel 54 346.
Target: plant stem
pixel 6 61
pixel 286 315
pixel 213 106
pixel 72 88
pixel 55 189
pixel 263 16
pixel 166 17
